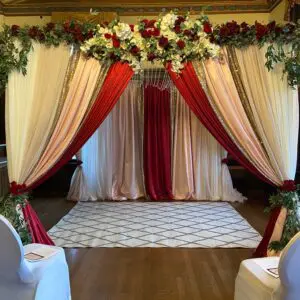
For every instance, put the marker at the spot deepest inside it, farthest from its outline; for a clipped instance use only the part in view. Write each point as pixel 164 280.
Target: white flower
pixel 123 31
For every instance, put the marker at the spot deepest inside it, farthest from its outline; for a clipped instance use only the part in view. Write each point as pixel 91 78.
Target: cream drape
pixel 113 157
pixel 32 102
pixel 275 109
pixel 197 169
pixel 87 80
pixel 225 100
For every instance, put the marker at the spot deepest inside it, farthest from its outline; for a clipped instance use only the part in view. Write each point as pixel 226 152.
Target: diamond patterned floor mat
pixel 154 224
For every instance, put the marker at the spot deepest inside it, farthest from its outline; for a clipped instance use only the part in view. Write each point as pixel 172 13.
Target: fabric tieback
pixel 288 186
pixel 17 189
pixel 225 161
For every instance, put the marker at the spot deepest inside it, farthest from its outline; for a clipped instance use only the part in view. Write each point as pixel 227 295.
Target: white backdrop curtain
pixel 113 156
pixel 197 171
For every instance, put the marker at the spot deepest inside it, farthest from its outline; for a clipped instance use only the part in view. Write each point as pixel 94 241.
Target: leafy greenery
pixel 10 206
pixel 289 200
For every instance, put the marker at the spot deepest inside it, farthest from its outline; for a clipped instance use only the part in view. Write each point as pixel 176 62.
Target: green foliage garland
pixel 290 201
pixel 10 206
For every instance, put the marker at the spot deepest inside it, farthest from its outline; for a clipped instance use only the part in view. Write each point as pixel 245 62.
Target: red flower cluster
pixel 288 186
pixel 15 30
pixel 149 29
pixel 17 189
pixel 49 27
pixel 116 42
pixel 163 42
pixel 151 56
pixel 135 50
pixel 229 29
pixel 207 27
pixel 180 44
pixel 245 27
pixel 35 33
pixel 260 30
pixel 75 30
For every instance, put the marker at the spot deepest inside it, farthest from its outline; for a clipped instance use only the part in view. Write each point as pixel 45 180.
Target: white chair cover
pixel 46 279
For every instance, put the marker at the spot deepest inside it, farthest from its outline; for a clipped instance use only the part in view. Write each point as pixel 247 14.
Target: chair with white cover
pixel 254 283
pixel 20 279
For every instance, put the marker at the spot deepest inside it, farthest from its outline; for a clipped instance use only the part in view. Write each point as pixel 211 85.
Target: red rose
pixel 271 26
pixel 163 42
pixel 288 186
pixel 145 21
pixel 40 36
pixel 151 23
pixel 17 189
pixel 180 44
pixel 116 43
pixel 67 26
pixel 15 30
pixel 179 20
pixel 78 36
pixel 151 56
pixel 90 34
pixel 146 34
pixel 224 31
pixel 261 30
pixel 131 27
pixel 212 39
pixel 112 56
pixel 107 36
pixel 156 32
pixel 278 30
pixel 207 27
pixel 233 27
pixel 50 26
pixel 33 32
pixel 135 50
pixel 245 27
pixel 187 32
pixel 177 29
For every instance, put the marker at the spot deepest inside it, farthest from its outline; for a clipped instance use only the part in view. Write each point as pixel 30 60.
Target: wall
pixel 26 20
pixel 215 18
pixel 277 14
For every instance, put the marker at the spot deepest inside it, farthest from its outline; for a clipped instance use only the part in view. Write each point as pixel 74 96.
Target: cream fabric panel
pixel 197 169
pixel 275 108
pixel 225 100
pixel 87 80
pixel 31 106
pixel 113 157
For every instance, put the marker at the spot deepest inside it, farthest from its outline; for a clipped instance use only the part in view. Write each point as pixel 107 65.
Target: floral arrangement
pixel 172 38
pixel 288 198
pixel 276 35
pixel 11 208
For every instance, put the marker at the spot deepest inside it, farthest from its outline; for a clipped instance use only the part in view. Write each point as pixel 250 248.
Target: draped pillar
pixel 274 106
pixel 42 135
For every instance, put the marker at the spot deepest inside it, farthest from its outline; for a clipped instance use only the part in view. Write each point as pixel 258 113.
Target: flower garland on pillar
pixel 11 207
pixel 288 198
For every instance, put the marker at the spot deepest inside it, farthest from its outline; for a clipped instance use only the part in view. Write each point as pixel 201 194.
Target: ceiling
pixel 132 7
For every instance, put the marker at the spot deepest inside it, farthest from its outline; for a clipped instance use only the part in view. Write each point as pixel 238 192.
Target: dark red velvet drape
pixel 190 88
pixel 157 143
pixel 115 83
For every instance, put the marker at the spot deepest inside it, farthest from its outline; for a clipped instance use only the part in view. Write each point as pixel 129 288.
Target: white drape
pixel 32 104
pixel 113 157
pixel 275 108
pixel 197 171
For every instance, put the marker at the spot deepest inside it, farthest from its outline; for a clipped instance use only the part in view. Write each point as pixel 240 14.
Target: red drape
pixel 262 249
pixel 35 227
pixel 157 143
pixel 114 85
pixel 191 90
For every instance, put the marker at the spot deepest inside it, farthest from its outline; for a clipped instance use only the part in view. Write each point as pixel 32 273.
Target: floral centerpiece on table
pixel 172 38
